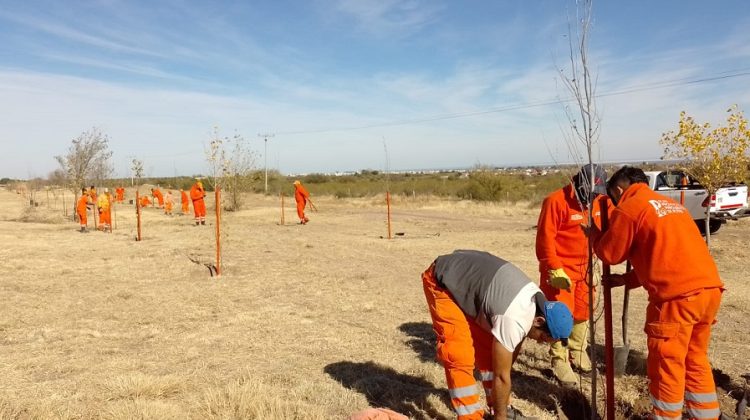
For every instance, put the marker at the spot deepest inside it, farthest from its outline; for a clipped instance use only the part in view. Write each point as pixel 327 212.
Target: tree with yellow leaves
pixel 714 157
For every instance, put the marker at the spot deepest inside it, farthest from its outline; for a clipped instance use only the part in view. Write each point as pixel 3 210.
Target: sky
pixel 346 85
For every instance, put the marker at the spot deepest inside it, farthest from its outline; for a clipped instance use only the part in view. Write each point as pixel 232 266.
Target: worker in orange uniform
pixel 168 203
pixel 301 196
pixel 145 201
pixel 672 262
pixel 103 205
pixel 482 309
pixel 158 197
pixel 197 193
pixel 81 207
pixel 120 192
pixel 563 254
pixel 184 201
pixel 92 194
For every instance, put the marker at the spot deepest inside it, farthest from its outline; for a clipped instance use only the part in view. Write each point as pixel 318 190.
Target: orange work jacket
pixel 560 241
pixel 661 240
pixel 196 192
pixel 300 194
pixel 82 204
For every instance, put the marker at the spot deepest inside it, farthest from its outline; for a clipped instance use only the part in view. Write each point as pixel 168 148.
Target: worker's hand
pixel 613 280
pixel 591 231
pixel 559 279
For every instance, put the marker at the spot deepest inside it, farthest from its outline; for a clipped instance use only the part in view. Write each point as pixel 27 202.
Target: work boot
pixel 577 344
pixel 561 365
pixel 197 223
pixel 203 222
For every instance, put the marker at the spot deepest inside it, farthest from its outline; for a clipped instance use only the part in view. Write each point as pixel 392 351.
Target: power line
pixel 527 105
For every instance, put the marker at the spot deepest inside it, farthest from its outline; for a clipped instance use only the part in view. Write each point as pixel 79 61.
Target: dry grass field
pixel 306 322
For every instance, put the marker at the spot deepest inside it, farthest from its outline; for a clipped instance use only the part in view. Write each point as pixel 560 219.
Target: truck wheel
pixel 713 226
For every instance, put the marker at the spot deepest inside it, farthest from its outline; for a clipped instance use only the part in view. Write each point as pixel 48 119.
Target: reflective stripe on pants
pixel 678 335
pixel 461 346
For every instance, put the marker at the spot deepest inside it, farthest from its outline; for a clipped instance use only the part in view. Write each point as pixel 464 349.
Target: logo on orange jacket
pixel 665 207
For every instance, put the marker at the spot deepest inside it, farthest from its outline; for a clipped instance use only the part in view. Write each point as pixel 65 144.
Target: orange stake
pixel 682 193
pixel 218 230
pixel 281 194
pixel 388 204
pixel 138 215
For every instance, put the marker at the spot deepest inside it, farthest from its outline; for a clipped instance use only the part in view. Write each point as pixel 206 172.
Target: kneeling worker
pixel 482 308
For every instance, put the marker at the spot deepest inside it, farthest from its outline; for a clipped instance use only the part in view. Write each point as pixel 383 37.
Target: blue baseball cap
pixel 559 320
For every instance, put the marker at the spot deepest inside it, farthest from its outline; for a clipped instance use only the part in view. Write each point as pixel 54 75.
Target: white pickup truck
pixel 730 202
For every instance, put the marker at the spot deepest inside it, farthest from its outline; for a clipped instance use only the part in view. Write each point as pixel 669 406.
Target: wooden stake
pixel 388 205
pixel 281 194
pixel 138 214
pixel 218 230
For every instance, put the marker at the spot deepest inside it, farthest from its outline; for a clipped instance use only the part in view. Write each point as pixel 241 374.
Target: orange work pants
pixel 185 207
pixel 678 335
pixel 462 346
pixel 301 210
pixel 576 299
pixel 82 218
pixel 105 219
pixel 168 208
pixel 199 208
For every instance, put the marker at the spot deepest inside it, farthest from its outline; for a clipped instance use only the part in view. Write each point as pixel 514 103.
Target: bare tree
pixel 88 159
pixel 136 170
pixel 582 138
pixel 231 163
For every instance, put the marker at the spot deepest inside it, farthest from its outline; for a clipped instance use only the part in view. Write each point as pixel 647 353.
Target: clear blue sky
pixel 156 76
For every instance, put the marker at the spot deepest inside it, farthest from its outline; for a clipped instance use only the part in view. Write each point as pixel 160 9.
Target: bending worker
pixel 563 254
pixel 301 196
pixel 482 308
pixel 199 205
pixel 81 207
pixel 672 262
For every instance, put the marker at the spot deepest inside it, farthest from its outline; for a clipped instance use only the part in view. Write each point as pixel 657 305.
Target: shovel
pixel 621 352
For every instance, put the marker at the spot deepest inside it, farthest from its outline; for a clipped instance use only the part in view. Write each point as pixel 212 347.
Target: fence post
pixel 218 230
pixel 281 194
pixel 138 214
pixel 388 205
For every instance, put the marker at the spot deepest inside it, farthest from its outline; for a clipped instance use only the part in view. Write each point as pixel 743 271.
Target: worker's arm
pixel 502 360
pixel 547 227
pixel 613 246
pixel 629 280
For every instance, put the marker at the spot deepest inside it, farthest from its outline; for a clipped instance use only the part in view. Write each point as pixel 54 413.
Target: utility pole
pixel 265 155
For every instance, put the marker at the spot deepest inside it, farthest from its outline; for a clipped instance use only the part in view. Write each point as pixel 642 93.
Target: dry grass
pixel 308 322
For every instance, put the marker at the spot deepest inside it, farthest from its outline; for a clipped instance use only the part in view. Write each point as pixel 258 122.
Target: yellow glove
pixel 559 279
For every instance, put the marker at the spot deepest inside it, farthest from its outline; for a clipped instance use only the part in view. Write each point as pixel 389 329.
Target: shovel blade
pixel 621 359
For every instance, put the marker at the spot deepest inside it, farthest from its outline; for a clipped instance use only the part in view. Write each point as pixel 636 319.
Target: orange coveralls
pixel 185 202
pixel 168 203
pixel 469 346
pixel 81 209
pixel 105 213
pixel 300 196
pixel 120 195
pixel 671 261
pixel 145 201
pixel 199 206
pixel 159 198
pixel 561 243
